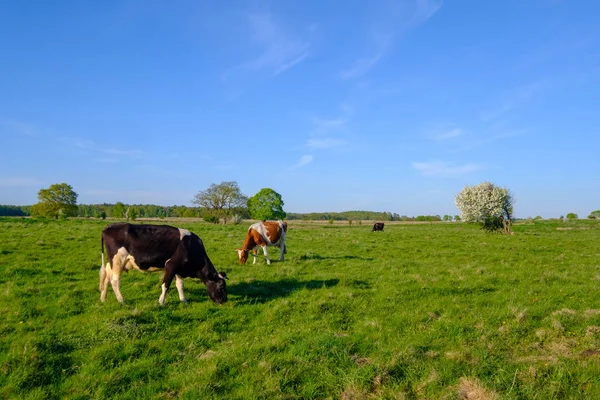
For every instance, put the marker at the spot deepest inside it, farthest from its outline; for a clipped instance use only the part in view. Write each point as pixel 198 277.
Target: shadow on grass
pixel 263 291
pixel 346 257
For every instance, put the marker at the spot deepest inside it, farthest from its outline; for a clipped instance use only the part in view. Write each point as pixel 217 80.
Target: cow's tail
pixel 102 268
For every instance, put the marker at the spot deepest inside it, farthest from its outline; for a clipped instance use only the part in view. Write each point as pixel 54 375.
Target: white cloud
pixel 516 97
pixel 92 146
pixel 326 143
pixel 423 11
pixel 360 67
pixel 449 134
pixel 20 128
pixel 281 50
pixel 443 169
pixel 331 133
pixel 19 181
pixel 390 22
pixel 305 159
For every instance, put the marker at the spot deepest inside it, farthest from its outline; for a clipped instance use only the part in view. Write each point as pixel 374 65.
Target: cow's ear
pixel 223 275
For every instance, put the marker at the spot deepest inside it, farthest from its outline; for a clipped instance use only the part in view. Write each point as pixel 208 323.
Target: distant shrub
pixel 236 219
pixel 212 219
pixel 572 216
pixel 330 221
pixel 349 222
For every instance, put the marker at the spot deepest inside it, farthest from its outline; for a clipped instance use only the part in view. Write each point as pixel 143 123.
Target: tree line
pixel 485 203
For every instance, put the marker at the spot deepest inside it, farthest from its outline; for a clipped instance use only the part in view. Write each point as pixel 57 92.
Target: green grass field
pixel 419 311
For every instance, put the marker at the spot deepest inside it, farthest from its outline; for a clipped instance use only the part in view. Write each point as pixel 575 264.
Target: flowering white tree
pixel 486 203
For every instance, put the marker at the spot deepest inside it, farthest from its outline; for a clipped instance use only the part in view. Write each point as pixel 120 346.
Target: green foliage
pixel 493 224
pixel 14 211
pixel 430 218
pixel 132 213
pixel 572 216
pixel 594 215
pixel 515 316
pixel 222 200
pixel 266 205
pixel 210 218
pixel 118 211
pixel 59 200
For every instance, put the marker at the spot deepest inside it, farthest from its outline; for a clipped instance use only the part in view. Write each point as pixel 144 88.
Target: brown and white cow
pixel 147 248
pixel 264 234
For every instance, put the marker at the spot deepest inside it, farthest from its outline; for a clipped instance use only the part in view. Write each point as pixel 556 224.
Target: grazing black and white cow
pixel 147 248
pixel 378 226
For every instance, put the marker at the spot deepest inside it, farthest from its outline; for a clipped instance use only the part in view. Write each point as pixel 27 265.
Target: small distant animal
pixel 264 234
pixel 378 226
pixel 148 248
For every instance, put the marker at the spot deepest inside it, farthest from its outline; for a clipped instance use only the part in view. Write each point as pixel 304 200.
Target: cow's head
pixel 243 255
pixel 217 289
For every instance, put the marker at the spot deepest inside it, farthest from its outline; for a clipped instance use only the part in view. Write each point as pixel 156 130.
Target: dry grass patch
pixel 472 389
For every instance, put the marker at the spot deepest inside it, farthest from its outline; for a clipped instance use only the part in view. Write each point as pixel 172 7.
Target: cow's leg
pixel 255 255
pixel 266 254
pixel 105 275
pixel 102 277
pixel 281 251
pixel 119 261
pixel 169 275
pixel 179 284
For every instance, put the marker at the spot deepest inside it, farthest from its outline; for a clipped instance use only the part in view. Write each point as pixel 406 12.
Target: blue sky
pixel 390 105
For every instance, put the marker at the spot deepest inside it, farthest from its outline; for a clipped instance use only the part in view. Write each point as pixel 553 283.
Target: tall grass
pixel 436 311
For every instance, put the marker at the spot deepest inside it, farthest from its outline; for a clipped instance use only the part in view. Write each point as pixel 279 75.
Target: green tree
pixel 118 210
pixel 266 204
pixel 594 215
pixel 132 213
pixel 572 216
pixel 58 200
pixel 221 200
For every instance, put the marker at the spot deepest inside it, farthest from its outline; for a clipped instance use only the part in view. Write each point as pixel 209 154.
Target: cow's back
pixel 150 245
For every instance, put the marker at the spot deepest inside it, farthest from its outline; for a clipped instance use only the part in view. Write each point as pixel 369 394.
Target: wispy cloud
pixel 516 97
pixel 331 133
pixel 361 66
pixel 304 160
pixel 484 140
pixel 326 143
pixel 19 128
pixel 280 49
pixel 395 18
pixel 89 145
pixel 449 134
pixel 424 10
pixel 443 169
pixel 19 181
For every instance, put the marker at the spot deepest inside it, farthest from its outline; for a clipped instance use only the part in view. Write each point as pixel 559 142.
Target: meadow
pixel 418 311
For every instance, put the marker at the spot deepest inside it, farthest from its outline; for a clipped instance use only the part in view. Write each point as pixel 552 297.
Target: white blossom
pixel 479 202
